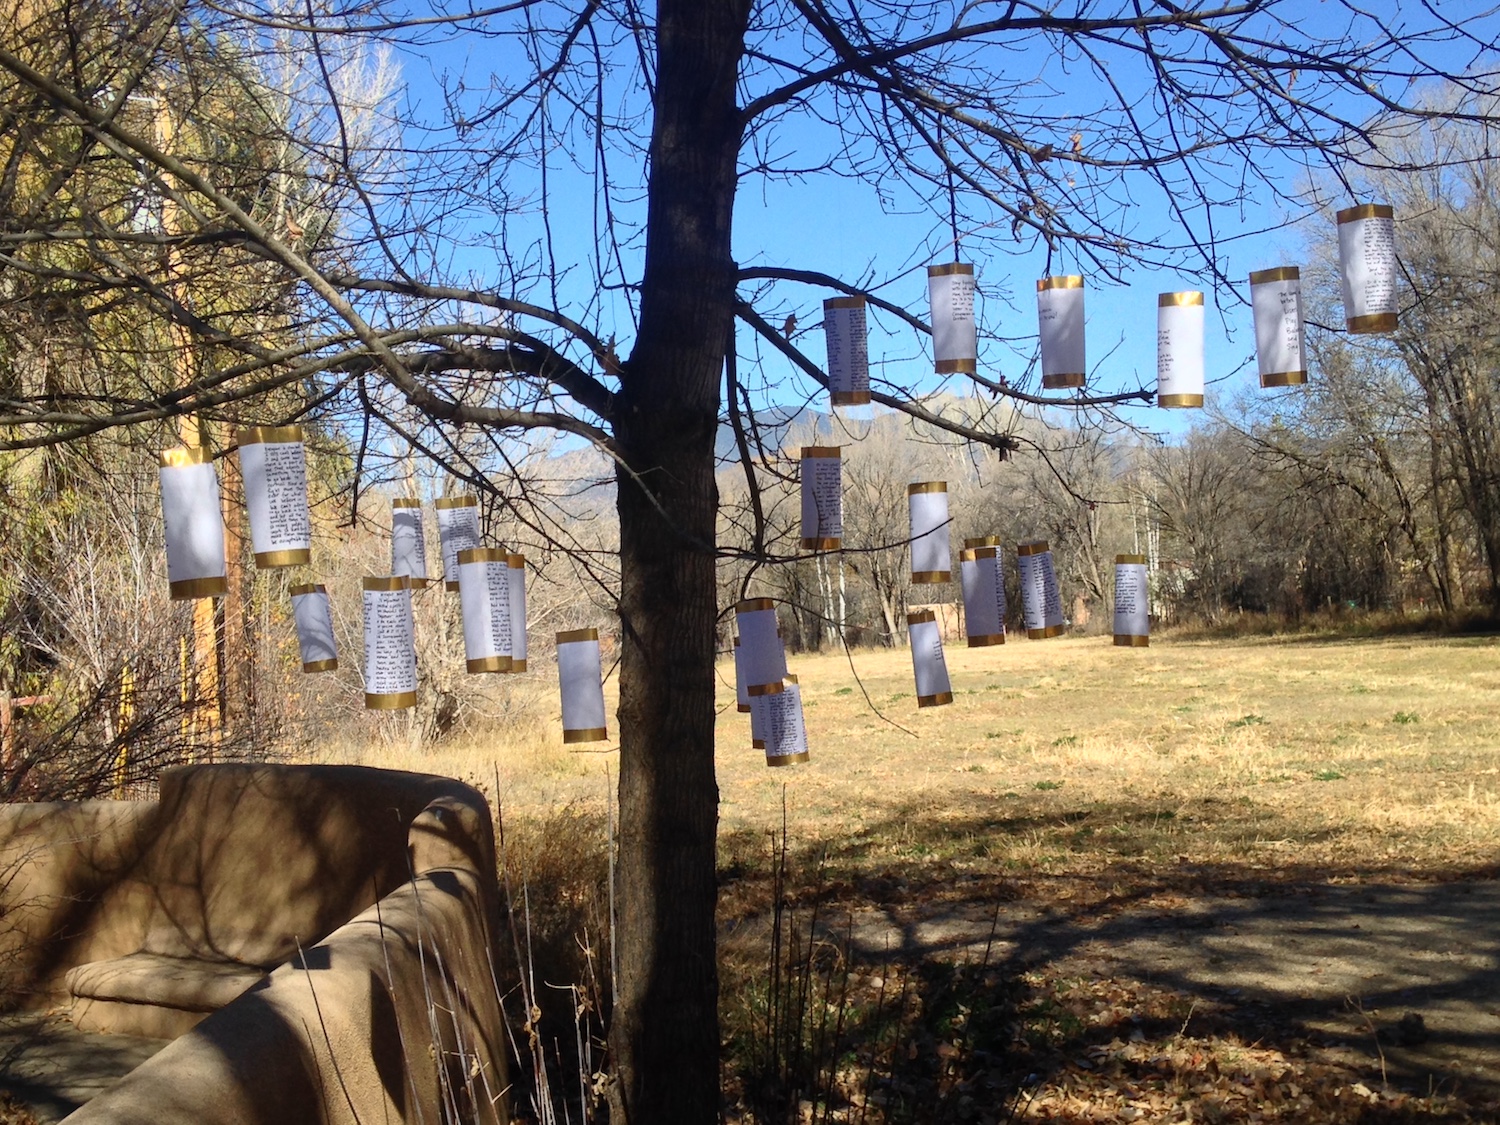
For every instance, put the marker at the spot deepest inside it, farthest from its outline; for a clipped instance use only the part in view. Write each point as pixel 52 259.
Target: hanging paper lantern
pixel 193 523
pixel 822 498
pixel 926 640
pixel 741 695
pixel 1041 603
pixel 761 653
pixel 844 329
pixel 1367 266
pixel 784 730
pixel 955 343
pixel 408 541
pixel 273 463
pixel 1179 349
pixel 484 599
pixel 458 530
pixel 1132 606
pixel 930 561
pixel 757 722
pixel 1280 350
pixel 984 591
pixel 1059 313
pixel 517 583
pixel 314 619
pixel 581 678
pixel 390 645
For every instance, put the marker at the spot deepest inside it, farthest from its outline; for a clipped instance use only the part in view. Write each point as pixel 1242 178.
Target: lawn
pixel 1067 776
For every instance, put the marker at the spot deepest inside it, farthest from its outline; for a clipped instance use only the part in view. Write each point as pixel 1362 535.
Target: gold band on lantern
pixel 1367 211
pixel 387 585
pixel 742 708
pixel 1035 547
pixel 587 734
pixel 515 561
pixel 406 502
pixel 297 556
pixel 754 605
pixel 974 554
pixel 488 664
pixel 785 759
pixel 1043 634
pixel 926 486
pixel 755 691
pixel 184 455
pixel 920 616
pixel 1280 273
pixel 1176 401
pixel 1060 382
pixel 306 588
pixel 1185 299
pixel 948 269
pixel 856 302
pixel 198 588
pixel 453 587
pixel 930 577
pixel 849 398
pixel 573 636
pixel 833 544
pixel 517 665
pixel 268 435
pixel 983 541
pixel 758 744
pixel 329 665
pixel 483 555
pixel 1283 379
pixel 937 700
pixel 447 503
pixel 830 451
pixel 956 366
pixel 984 640
pixel 1375 322
pixel 395 701
pixel 1129 640
pixel 1064 281
pixel 1125 560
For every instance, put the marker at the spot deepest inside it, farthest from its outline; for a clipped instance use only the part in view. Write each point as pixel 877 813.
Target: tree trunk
pixel 664 1035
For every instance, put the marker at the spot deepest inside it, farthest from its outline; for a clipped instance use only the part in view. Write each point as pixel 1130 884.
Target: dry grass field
pixel 1070 779
pixel 1357 757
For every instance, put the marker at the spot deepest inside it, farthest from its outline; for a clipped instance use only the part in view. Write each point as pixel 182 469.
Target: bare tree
pixel 622 338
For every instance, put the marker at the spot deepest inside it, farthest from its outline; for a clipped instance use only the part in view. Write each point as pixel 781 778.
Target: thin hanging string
pixel 952 192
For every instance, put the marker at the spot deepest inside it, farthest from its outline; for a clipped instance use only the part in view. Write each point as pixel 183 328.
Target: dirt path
pixel 1349 962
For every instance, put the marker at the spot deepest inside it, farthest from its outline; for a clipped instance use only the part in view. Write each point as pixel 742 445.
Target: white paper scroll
pixel 458 530
pixel 314 618
pixel 1367 265
pixel 757 723
pixel 484 599
pixel 193 522
pixel 390 645
pixel 761 653
pixel 408 541
pixel 783 729
pixel 1041 602
pixel 822 498
pixel 930 561
pixel 517 612
pixel 273 464
pixel 955 341
pixel 1132 606
pixel 848 351
pixel 1179 349
pixel 984 591
pixel 741 686
pixel 1059 314
pixel 581 678
pixel 926 639
pixel 1280 345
